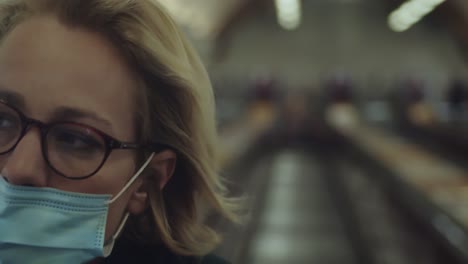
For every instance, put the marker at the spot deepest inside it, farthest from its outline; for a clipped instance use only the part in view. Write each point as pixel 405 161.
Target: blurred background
pixel 343 122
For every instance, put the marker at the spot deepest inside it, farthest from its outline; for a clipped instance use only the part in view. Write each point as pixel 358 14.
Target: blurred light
pixel 289 13
pixel 186 13
pixel 410 13
pixel 202 19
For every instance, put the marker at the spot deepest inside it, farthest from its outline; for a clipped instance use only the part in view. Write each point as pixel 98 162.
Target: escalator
pixel 316 205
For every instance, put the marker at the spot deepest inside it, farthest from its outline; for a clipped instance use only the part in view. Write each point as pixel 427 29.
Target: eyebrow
pixel 12 98
pixel 67 113
pixel 61 113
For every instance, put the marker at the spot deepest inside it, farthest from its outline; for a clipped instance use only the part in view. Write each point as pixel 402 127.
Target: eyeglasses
pixel 72 150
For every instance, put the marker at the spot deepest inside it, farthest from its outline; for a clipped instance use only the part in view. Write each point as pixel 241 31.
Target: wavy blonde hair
pixel 176 107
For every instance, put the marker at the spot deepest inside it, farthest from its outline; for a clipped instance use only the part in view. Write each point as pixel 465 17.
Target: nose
pixel 25 165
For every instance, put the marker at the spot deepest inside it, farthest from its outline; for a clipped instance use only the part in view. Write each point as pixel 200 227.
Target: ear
pixel 163 166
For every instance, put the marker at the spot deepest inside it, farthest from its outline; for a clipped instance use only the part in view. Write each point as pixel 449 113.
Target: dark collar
pixel 128 252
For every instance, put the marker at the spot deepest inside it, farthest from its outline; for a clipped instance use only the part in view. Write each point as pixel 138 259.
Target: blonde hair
pixel 176 107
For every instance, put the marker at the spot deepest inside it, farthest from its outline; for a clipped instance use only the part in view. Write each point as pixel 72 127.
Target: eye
pixel 10 127
pixel 76 141
pixel 8 121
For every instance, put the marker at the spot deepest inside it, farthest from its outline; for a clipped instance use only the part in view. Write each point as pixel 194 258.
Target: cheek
pixel 116 174
pixel 118 168
pixel 112 177
pixel 116 213
pixel 3 160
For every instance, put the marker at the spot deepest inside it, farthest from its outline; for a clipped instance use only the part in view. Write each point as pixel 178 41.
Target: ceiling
pixel 204 18
pixel 211 20
pixel 207 19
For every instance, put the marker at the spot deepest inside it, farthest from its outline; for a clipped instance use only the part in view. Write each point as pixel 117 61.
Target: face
pixel 46 69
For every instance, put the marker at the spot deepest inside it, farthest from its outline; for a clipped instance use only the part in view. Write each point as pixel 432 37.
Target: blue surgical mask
pixel 46 225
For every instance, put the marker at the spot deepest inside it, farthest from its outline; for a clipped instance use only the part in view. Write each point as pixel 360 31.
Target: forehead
pixel 53 65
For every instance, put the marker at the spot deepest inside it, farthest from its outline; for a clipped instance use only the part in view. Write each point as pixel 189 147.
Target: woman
pixel 107 136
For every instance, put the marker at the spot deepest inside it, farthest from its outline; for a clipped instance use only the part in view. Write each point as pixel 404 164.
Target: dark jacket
pixel 126 253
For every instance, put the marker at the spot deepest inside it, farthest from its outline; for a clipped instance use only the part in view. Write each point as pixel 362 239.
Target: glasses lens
pixel 75 150
pixel 10 127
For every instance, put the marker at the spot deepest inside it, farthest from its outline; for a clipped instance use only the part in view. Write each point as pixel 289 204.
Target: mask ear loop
pixel 131 180
pixel 107 250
